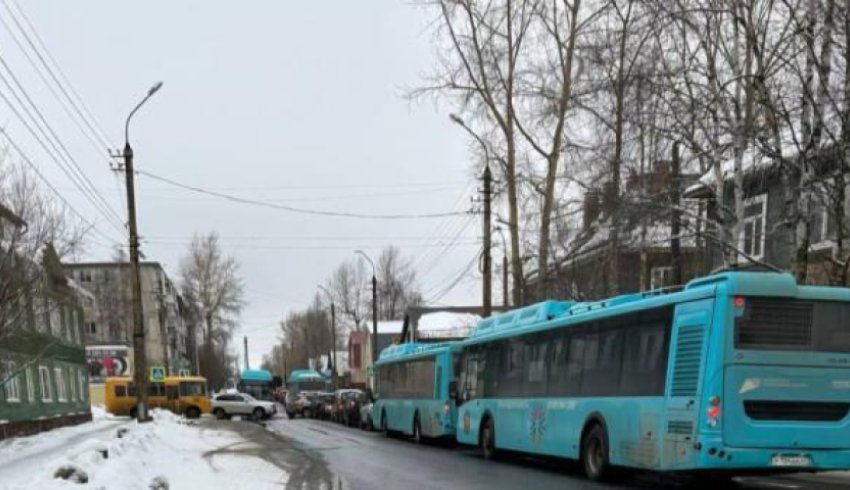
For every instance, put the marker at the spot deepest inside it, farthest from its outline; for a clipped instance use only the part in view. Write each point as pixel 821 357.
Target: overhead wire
pixel 455 282
pixel 50 186
pixel 97 132
pixel 68 172
pixel 292 209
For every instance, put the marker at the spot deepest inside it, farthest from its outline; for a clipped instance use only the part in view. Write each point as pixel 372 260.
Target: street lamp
pixel 333 334
pixel 374 307
pixel 140 358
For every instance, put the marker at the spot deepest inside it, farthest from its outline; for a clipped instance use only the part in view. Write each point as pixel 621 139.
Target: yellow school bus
pixel 184 395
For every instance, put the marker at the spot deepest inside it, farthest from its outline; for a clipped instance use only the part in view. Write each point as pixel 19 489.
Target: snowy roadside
pixel 182 454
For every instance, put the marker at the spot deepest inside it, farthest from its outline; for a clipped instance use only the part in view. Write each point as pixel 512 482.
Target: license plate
pixel 790 460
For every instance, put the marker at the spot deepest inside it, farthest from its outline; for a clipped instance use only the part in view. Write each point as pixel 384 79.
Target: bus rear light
pixel 447 407
pixel 740 302
pixel 713 411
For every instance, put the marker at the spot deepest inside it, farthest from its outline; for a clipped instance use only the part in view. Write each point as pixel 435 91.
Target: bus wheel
pixel 133 413
pixel 487 441
pixel 384 429
pixel 219 413
pixel 594 453
pixel 417 430
pixel 193 413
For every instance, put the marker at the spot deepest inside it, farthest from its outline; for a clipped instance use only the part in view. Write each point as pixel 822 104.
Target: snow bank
pixel 169 448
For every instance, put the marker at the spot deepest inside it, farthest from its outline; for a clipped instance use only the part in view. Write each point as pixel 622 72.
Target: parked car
pixel 304 403
pixel 225 405
pixel 325 406
pixel 366 417
pixel 348 403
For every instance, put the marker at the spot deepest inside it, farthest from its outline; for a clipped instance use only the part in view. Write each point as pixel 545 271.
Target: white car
pixel 225 405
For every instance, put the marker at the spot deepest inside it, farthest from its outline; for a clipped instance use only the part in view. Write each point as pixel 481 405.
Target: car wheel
pixel 259 413
pixel 487 440
pixel 594 453
pixel 291 415
pixel 417 430
pixel 219 414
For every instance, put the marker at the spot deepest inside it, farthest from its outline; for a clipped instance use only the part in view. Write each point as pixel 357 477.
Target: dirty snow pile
pixel 168 453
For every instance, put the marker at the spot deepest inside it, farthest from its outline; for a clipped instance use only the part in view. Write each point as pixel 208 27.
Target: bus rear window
pixel 192 388
pixel 797 325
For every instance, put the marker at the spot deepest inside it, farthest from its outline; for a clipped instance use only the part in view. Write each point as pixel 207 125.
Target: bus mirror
pixel 453 394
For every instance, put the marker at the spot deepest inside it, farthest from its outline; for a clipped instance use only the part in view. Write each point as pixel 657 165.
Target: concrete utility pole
pixel 374 306
pixel 333 335
pixel 247 365
pixel 140 359
pixel 487 296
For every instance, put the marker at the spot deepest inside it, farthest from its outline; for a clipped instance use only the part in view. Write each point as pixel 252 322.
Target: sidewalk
pixel 181 453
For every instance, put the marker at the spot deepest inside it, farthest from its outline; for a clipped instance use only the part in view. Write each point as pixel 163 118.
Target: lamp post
pixel 374 306
pixel 487 283
pixel 140 359
pixel 333 334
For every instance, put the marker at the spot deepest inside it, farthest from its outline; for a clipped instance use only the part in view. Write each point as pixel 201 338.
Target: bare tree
pixel 210 280
pixel 480 56
pixel 397 289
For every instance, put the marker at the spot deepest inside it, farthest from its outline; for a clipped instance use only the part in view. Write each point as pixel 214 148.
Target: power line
pixel 68 173
pixel 50 186
pixel 456 281
pixel 98 135
pixel 307 247
pixel 292 209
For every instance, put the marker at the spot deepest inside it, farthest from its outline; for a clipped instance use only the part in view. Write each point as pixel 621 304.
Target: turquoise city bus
pixel 257 383
pixel 736 373
pixel 415 386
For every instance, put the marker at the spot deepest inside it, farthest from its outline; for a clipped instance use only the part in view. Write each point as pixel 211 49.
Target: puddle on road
pixel 306 468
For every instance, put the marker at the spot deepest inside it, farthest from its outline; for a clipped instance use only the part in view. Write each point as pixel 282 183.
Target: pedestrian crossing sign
pixel 157 374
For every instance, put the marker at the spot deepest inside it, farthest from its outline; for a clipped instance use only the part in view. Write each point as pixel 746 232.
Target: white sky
pixel 294 102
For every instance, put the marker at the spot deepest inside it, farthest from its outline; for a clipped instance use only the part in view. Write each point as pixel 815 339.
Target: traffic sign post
pixel 157 374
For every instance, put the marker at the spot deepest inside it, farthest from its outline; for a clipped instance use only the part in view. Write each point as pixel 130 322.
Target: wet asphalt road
pixel 323 455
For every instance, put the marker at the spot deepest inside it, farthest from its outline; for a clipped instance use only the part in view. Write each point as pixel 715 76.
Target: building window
pixel 44 378
pixel 85 275
pixel 12 386
pixel 755 209
pixel 61 390
pixel 31 395
pixel 92 328
pixel 660 277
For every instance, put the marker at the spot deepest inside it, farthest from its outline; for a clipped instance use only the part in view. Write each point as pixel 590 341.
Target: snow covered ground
pixel 182 453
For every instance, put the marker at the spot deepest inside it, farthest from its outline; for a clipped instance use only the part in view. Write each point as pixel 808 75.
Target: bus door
pixel 470 406
pixel 688 348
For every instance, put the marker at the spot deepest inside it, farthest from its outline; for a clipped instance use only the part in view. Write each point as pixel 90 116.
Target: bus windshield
pixel 792 325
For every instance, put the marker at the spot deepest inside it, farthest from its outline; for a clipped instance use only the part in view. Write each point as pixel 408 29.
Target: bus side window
pixel 438 382
pixel 120 391
pixel 171 392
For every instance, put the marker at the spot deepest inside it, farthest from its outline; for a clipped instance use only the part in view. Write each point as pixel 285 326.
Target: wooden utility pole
pixel 675 217
pixel 487 296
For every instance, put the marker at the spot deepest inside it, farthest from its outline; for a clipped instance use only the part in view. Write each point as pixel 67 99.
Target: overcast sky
pixel 299 103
